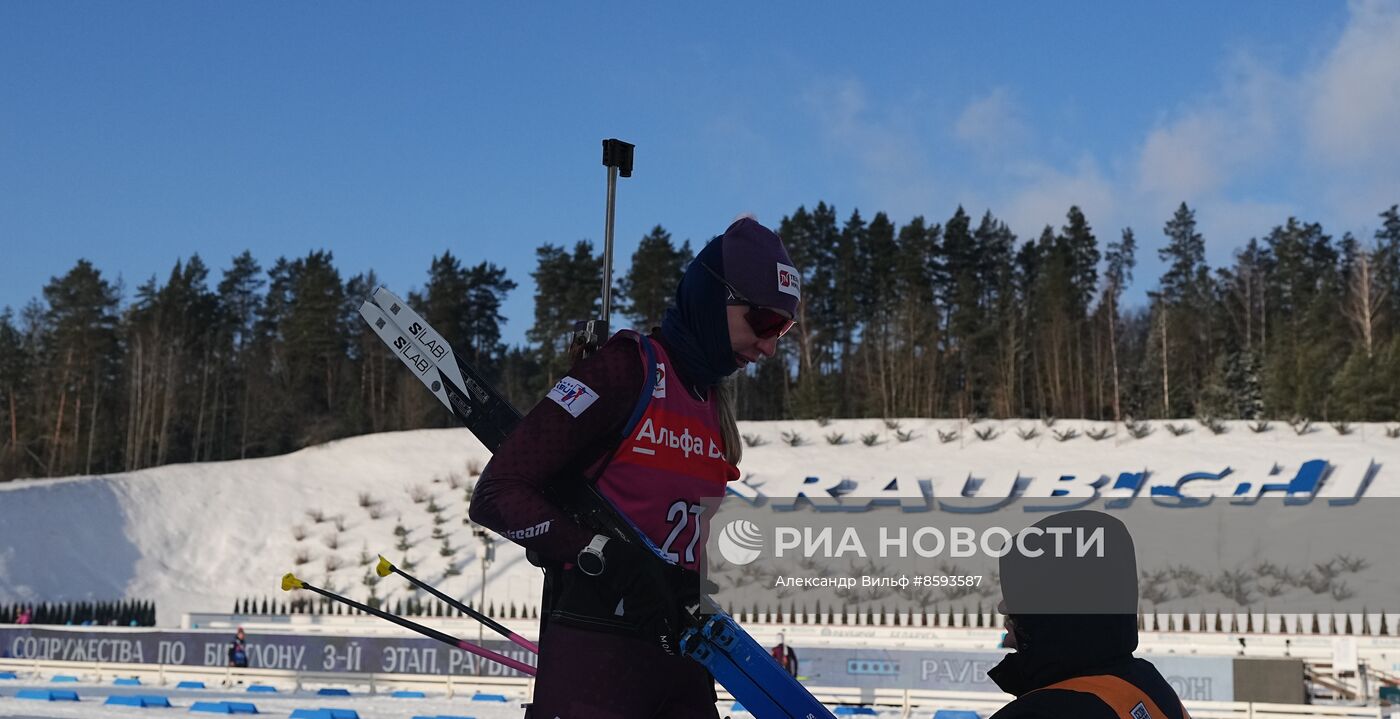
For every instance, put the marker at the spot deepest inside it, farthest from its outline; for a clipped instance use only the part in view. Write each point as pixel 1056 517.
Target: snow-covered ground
pixel 195 537
pixel 92 698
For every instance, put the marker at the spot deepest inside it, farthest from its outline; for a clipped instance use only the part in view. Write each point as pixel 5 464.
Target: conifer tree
pixel 568 289
pixel 1183 306
pixel 811 239
pixel 77 377
pixel 15 369
pixel 1118 274
pixel 649 286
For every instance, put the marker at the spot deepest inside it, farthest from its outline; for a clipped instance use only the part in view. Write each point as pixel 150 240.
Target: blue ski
pixel 735 660
pixel 744 668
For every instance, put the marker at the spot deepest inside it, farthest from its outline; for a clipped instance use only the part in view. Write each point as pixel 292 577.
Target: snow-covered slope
pixel 194 537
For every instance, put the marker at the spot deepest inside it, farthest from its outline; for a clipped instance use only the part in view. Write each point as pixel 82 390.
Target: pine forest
pixel 958 318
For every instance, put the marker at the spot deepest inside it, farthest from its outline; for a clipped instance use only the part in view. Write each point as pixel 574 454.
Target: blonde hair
pixel 729 423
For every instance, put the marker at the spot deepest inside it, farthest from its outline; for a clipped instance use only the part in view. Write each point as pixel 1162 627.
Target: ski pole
pixel 385 568
pixel 290 582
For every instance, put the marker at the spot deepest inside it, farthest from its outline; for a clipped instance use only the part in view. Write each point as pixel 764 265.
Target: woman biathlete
pixel 608 642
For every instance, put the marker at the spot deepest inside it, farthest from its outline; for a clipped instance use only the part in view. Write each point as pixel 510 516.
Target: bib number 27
pixel 680 515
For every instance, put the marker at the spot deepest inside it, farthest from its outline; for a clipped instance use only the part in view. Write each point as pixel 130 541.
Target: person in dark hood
pixel 1072 623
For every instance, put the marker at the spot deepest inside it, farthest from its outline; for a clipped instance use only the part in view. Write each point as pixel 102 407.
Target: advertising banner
pixel 292 652
pixel 1205 678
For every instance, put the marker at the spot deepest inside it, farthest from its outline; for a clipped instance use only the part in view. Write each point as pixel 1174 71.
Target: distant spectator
pixel 24 616
pixel 238 650
pixel 785 656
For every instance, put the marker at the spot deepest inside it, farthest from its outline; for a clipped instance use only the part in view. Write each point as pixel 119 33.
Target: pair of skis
pixel 736 661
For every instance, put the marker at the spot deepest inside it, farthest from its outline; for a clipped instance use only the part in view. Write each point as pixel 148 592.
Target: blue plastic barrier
pixel 126 682
pixel 48 695
pixel 138 700
pixel 224 707
pixel 332 692
pixel 480 697
pixel 190 685
pixel 854 711
pixel 956 714
pixel 262 689
pixel 8 675
pixel 325 713
pixel 63 678
pixel 408 694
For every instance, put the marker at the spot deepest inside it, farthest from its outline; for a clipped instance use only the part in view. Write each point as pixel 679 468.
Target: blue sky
pixel 134 134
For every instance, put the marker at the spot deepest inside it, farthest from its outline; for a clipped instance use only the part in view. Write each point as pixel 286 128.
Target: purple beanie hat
pixel 759 267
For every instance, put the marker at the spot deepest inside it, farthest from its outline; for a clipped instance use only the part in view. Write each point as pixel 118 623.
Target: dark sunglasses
pixel 766 322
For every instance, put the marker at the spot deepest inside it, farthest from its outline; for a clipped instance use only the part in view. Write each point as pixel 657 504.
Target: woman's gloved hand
pixel 660 598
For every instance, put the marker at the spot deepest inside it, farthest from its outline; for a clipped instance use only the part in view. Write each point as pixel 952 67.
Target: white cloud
pixel 1197 153
pixel 1228 225
pixel 1047 193
pixel 1352 124
pixel 1320 142
pixel 1177 161
pixel 1329 132
pixel 1354 117
pixel 884 146
pixel 991 125
pixel 841 105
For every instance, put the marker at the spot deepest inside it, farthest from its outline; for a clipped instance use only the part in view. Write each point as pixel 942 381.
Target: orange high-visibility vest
pixel 1121 695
